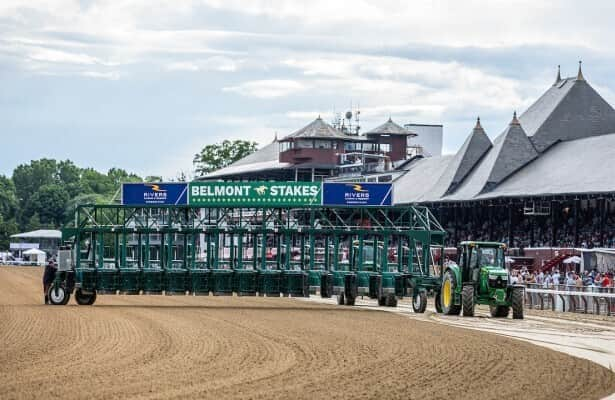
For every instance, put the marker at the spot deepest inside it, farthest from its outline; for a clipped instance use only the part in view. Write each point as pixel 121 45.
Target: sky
pixel 143 85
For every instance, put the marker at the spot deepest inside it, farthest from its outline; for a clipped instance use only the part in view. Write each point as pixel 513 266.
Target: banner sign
pixel 140 194
pixel 357 194
pixel 255 194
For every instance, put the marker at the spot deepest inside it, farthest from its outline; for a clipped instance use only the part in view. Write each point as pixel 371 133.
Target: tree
pixel 8 198
pixel 28 178
pixel 119 176
pixel 219 155
pixel 49 203
pixel 7 228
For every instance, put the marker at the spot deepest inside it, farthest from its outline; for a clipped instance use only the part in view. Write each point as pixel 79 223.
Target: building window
pixel 322 144
pixel 385 147
pixel 285 146
pixel 304 144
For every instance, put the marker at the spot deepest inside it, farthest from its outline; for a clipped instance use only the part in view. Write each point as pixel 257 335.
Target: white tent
pixel 573 260
pixel 36 256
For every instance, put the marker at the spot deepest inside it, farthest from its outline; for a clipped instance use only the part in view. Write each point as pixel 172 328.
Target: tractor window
pixel 492 257
pixel 473 258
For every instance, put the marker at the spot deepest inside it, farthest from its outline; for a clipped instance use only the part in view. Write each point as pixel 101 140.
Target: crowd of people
pixel 533 231
pixel 555 278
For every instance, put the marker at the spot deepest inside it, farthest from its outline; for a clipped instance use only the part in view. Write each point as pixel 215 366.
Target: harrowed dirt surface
pixel 163 347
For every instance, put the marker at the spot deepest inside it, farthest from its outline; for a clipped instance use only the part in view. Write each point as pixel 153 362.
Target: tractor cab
pixel 482 264
pixel 480 277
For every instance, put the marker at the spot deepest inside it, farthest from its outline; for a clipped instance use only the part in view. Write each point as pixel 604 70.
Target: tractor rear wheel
pixel 447 295
pixel 58 296
pixel 517 302
pixel 467 300
pixel 340 299
pixel 84 299
pixel 499 311
pixel 419 302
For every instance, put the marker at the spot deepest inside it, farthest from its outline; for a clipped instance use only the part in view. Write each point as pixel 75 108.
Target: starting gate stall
pixel 249 238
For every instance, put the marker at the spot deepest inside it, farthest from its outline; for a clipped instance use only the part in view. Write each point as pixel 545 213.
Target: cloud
pixel 111 75
pixel 216 63
pixel 267 88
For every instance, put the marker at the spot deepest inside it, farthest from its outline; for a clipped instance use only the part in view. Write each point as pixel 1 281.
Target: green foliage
pixel 7 228
pixel 219 155
pixel 49 203
pixel 45 192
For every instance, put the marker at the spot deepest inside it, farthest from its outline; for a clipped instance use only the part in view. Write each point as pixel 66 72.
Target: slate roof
pixel 317 129
pixel 578 166
pixel 264 159
pixel 568 110
pixel 391 128
pixel 470 153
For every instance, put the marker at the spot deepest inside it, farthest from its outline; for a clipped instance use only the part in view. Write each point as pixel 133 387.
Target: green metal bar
pixel 147 251
pixel 385 253
pixel 209 257
pixel 216 249
pixel 326 266
pixel 240 251
pixel 254 250
pixel 116 253
pixel 185 252
pixel 101 249
pixel 193 251
pixel 302 250
pixel 359 266
pixel 336 251
pixel 123 258
pixel 264 250
pixel 288 250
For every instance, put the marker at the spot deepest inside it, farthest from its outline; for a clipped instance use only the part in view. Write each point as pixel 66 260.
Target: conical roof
pixel 317 129
pixel 511 151
pixel 390 128
pixel 470 153
pixel 562 112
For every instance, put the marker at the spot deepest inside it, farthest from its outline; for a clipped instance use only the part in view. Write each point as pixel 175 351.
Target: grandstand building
pixel 546 180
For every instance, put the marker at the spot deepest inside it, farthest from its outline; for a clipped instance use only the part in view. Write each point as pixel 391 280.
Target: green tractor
pixel 480 278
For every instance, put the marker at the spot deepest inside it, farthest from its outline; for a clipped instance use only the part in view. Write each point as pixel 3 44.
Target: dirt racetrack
pixel 262 348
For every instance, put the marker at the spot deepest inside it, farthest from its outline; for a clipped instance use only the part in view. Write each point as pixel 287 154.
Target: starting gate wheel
pixel 340 299
pixel 84 299
pixel 391 300
pixel 382 300
pixel 58 296
pixel 419 302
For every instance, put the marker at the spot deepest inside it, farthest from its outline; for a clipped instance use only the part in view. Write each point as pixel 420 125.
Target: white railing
pixel 586 299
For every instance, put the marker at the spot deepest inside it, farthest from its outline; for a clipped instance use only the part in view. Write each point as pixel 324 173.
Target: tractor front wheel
pixel 58 296
pixel 447 295
pixel 467 300
pixel 84 299
pixel 419 302
pixel 499 311
pixel 517 302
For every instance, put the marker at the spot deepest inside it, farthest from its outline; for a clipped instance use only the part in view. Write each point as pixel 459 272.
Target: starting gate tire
pixel 517 302
pixel 391 300
pixel 419 302
pixel 499 311
pixel 438 303
pixel 58 296
pixel 340 299
pixel 382 300
pixel 84 299
pixel 447 295
pixel 467 300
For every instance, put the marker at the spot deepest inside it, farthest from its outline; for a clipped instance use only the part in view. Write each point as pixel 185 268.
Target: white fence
pixel 588 299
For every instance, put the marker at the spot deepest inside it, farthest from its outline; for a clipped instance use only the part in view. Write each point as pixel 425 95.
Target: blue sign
pixel 357 194
pixel 140 194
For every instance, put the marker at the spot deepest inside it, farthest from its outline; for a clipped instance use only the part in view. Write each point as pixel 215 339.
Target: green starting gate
pixel 266 251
